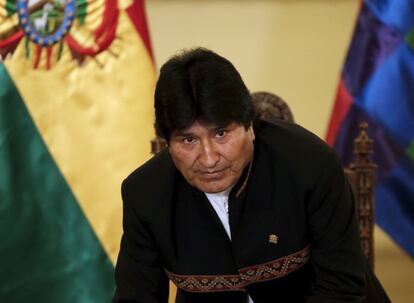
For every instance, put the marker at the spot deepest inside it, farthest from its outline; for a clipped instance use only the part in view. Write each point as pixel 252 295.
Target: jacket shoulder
pixel 146 186
pixel 296 149
pixel 161 163
pixel 291 137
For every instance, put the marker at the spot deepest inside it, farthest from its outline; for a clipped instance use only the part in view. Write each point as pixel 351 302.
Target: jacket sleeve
pixel 139 275
pixel 336 253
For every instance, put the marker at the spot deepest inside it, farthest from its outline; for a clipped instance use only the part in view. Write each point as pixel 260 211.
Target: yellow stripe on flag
pixel 96 121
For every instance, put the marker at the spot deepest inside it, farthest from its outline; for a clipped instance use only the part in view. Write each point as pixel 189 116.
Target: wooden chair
pixel 360 173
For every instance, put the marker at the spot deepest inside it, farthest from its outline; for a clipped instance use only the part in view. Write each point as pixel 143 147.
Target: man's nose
pixel 208 155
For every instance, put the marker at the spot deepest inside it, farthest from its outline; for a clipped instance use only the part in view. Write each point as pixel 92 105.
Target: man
pixel 234 212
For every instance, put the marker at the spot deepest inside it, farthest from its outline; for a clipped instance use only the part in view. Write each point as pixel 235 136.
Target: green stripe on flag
pixel 49 253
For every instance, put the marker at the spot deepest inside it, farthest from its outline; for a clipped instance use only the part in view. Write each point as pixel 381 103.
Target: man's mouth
pixel 213 174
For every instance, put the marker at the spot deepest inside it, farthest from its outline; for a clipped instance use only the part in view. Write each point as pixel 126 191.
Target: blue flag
pixel 377 86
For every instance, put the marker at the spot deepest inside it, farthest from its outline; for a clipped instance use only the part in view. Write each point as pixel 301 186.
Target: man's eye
pixel 188 140
pixel 221 133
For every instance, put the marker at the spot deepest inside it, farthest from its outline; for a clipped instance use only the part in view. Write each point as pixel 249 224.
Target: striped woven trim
pixel 257 273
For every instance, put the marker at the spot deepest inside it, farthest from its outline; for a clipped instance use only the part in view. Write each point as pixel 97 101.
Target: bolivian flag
pixel 76 91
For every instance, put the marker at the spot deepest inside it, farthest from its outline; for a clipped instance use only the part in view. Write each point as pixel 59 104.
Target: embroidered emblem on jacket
pixel 257 273
pixel 273 239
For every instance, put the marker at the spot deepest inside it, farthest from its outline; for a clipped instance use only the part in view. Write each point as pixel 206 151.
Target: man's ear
pixel 251 131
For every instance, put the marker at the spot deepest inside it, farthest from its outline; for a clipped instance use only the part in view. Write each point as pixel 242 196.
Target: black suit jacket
pixel 292 217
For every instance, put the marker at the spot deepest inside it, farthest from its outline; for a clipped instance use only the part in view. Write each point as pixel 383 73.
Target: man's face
pixel 211 158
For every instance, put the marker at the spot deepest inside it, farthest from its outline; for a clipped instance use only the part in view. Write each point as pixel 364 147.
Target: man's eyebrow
pixel 187 133
pixel 182 133
pixel 219 127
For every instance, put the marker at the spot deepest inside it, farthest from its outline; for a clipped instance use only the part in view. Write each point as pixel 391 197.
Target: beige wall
pixel 292 48
pixel 288 47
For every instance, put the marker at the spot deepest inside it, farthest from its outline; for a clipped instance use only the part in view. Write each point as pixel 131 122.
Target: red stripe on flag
pixel 342 104
pixel 137 14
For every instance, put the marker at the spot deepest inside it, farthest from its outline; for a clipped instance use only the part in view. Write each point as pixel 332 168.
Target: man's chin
pixel 212 187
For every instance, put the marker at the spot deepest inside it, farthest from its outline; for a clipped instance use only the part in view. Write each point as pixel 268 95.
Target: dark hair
pixel 200 85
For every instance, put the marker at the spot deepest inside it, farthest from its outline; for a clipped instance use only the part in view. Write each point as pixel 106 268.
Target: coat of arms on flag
pixel 87 27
